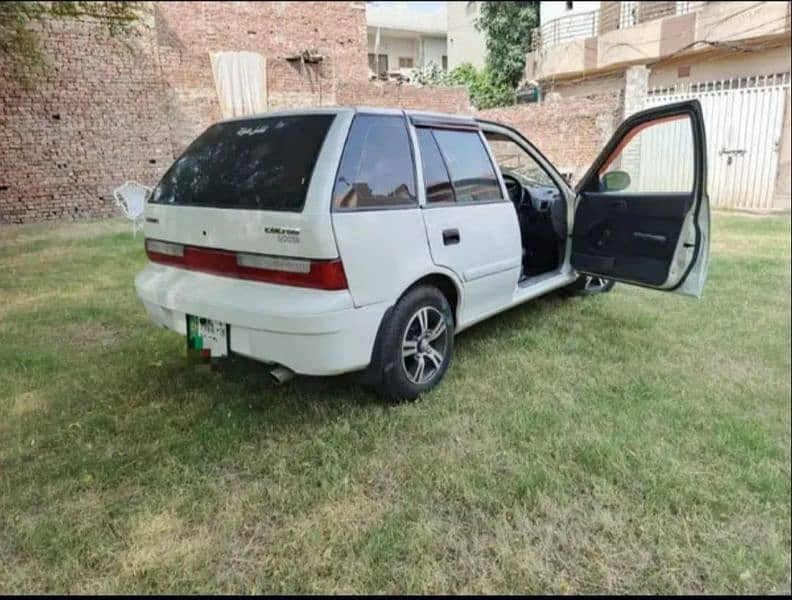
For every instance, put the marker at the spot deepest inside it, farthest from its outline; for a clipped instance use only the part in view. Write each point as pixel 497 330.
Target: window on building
pixel 472 173
pixel 445 63
pixel 436 179
pixel 377 168
pixel 569 5
pixel 628 14
pixel 405 62
pixel 378 63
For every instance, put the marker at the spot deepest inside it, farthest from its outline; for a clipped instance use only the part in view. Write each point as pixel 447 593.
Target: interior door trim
pixel 691 108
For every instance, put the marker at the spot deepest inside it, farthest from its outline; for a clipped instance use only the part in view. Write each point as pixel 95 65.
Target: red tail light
pixel 319 274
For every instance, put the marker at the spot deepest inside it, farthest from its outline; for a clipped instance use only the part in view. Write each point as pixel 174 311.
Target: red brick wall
pixel 102 115
pixel 381 94
pixel 569 131
pixel 96 119
pixel 188 31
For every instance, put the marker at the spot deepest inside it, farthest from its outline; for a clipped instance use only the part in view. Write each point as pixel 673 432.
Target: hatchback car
pixel 332 240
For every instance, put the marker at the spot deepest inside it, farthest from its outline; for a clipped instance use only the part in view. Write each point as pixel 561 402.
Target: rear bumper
pixel 312 332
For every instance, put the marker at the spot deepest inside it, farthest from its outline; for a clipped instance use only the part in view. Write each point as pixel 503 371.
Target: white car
pixel 325 241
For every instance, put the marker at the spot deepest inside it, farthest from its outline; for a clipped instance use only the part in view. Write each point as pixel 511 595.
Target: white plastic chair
pixel 131 199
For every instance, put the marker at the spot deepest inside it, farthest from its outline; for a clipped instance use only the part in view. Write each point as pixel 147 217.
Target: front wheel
pixel 591 285
pixel 417 344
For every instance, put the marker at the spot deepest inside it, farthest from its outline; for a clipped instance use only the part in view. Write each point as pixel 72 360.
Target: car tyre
pixel 415 346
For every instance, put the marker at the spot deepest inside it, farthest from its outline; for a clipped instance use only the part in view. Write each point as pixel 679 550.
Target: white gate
pixel 744 122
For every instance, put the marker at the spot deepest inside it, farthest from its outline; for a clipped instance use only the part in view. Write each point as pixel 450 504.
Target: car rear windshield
pixel 259 164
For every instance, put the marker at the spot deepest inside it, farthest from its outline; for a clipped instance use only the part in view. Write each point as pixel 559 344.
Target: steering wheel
pixel 516 190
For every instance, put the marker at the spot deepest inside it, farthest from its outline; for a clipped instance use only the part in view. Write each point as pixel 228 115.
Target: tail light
pixel 319 274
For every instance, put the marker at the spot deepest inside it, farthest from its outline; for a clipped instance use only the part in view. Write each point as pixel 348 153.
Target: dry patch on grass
pixel 319 547
pixel 26 403
pixel 90 334
pixel 16 236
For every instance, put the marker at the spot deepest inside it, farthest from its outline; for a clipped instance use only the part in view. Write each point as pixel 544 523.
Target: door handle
pixel 618 204
pixel 450 237
pixel 652 237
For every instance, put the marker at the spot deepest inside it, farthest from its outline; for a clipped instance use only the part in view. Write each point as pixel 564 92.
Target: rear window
pixel 262 164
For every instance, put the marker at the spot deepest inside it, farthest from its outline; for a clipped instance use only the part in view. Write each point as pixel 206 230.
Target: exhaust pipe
pixel 280 375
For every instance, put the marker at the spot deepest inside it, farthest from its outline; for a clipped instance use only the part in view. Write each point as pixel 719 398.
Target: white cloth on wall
pixel 240 82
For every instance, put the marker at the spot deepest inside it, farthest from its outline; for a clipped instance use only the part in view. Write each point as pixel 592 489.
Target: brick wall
pixel 569 131
pixel 96 119
pixel 103 114
pixel 188 31
pixel 381 94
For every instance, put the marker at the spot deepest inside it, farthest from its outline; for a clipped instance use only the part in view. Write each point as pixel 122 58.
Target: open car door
pixel 642 211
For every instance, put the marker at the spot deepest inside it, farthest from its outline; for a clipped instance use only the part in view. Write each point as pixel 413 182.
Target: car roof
pixel 412 114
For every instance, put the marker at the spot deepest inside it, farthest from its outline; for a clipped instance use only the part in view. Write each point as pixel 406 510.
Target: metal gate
pixel 744 123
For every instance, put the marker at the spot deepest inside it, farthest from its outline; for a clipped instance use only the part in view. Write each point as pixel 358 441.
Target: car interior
pixel 540 206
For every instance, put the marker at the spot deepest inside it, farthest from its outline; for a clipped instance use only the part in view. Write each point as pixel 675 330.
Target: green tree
pixel 507 27
pixel 20 50
pixel 483 91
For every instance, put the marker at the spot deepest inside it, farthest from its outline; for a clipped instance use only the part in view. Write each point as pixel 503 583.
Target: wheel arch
pixel 448 286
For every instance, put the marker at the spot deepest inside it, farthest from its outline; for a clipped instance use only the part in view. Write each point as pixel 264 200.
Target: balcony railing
pixel 612 16
pixel 565 29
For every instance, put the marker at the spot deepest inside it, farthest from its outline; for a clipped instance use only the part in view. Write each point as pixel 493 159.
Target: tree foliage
pixel 20 49
pixel 507 27
pixel 482 90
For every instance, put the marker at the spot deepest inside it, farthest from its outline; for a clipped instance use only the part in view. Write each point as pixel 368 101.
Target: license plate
pixel 206 336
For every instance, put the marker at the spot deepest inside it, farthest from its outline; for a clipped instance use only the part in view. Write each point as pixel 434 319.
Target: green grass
pixel 634 442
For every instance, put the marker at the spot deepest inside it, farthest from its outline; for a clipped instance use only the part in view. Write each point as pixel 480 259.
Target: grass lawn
pixel 633 442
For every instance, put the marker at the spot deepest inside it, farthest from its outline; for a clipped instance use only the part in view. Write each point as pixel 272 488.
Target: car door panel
pixel 654 231
pixel 471 226
pixel 633 235
pixel 487 255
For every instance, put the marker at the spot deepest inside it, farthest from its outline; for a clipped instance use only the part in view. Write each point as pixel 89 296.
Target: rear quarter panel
pixel 383 251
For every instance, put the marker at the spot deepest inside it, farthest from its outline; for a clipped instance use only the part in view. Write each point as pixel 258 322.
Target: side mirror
pixel 615 181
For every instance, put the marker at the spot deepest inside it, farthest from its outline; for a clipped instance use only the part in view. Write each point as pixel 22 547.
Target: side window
pixel 656 157
pixel 469 165
pixel 438 183
pixel 377 166
pixel 514 160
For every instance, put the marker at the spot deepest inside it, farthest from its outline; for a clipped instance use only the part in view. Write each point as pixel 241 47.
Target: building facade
pixel 466 44
pixel 401 40
pixel 733 56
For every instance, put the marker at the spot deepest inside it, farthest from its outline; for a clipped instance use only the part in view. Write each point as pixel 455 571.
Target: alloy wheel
pixel 424 345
